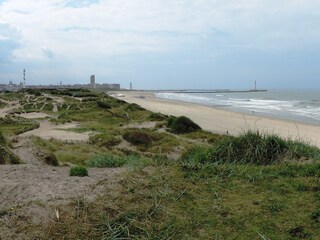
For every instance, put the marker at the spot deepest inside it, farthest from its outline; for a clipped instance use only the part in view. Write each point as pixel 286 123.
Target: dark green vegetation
pixel 182 125
pixel 78 171
pixel 181 182
pixel 251 148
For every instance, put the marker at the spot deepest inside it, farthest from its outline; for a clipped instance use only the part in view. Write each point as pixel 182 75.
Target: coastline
pixel 223 121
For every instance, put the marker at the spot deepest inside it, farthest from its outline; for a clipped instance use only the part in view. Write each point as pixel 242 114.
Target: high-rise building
pixel 93 81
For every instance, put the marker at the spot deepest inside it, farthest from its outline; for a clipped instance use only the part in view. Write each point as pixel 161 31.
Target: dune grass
pixel 109 160
pixel 251 148
pixel 226 201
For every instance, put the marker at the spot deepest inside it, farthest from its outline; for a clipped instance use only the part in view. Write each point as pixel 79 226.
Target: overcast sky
pixel 160 44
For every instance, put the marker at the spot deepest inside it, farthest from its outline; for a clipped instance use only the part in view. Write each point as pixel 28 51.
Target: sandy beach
pixel 222 121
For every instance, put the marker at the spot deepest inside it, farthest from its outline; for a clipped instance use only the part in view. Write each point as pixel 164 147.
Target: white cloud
pixel 72 31
pixel 136 26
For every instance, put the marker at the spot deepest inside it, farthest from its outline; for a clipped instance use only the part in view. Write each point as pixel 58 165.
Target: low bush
pixel 105 140
pixel 157 117
pixel 51 159
pixel 138 137
pixel 134 107
pixel 48 107
pixel 78 171
pixel 182 124
pixel 104 104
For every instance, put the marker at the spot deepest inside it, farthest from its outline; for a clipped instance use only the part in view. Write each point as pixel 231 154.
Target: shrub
pixel 107 161
pixel 78 171
pixel 137 137
pixel 48 107
pixel 103 104
pixel 182 124
pixel 51 159
pixel 105 140
pixel 134 107
pixel 157 117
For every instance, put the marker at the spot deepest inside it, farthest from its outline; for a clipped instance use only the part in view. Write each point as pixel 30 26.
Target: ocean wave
pixel 291 109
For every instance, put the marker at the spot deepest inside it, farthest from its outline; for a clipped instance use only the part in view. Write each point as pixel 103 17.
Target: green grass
pixel 11 96
pixel 68 152
pixel 11 126
pixel 111 161
pixel 78 171
pixel 166 202
pixel 148 140
pixel 106 161
pixel 253 148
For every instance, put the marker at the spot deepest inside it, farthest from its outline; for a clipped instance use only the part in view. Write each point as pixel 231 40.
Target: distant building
pixel 93 81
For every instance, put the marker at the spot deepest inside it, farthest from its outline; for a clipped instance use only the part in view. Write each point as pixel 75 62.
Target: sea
pixel 295 105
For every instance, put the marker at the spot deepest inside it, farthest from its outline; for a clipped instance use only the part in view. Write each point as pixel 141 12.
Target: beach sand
pixel 222 121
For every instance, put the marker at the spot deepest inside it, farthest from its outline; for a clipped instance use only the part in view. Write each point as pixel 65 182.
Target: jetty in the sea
pixel 212 91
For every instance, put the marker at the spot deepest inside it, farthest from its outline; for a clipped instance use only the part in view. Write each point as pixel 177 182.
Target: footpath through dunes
pixel 223 121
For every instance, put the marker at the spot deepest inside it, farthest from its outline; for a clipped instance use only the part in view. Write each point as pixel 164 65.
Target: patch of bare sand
pixel 61 132
pixel 34 115
pixel 141 125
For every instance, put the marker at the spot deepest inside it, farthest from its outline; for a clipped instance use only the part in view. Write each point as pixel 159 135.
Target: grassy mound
pixel 104 104
pixel 138 137
pixel 157 117
pixel 134 107
pixel 182 124
pixel 251 147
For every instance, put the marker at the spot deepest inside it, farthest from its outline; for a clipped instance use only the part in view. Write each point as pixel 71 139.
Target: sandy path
pixel 223 121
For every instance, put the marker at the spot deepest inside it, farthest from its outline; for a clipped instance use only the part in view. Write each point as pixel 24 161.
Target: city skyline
pixel 158 45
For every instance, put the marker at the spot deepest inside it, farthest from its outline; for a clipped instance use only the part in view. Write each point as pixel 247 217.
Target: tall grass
pixel 251 147
pixel 109 160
